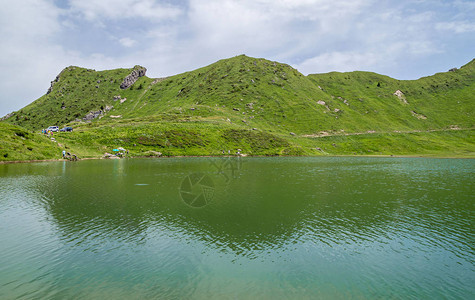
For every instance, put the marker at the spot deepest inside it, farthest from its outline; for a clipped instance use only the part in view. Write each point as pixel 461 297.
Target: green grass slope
pixel 76 92
pixel 435 102
pixel 261 107
pixel 176 139
pixel 20 144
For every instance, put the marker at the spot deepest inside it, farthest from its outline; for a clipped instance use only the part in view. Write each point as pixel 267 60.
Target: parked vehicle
pixel 66 129
pixel 53 129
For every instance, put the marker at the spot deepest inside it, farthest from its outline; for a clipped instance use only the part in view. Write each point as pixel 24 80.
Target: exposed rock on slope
pixel 94 114
pixel 132 77
pixel 6 116
pixel 418 115
pixel 401 96
pixel 50 89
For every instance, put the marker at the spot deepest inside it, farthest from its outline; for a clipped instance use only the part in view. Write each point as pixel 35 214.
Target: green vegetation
pixel 452 143
pixel 174 139
pixel 20 144
pixel 262 108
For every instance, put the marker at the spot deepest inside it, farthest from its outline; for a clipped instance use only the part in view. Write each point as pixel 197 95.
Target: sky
pixel 399 38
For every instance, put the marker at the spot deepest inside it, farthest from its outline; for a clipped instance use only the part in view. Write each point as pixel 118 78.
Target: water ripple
pixel 283 228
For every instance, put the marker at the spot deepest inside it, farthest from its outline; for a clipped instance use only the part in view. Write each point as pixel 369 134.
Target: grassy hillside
pixel 76 92
pixel 262 108
pixel 434 102
pixel 176 138
pixel 20 144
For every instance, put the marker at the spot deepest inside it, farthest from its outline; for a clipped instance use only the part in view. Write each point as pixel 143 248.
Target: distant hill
pixel 258 106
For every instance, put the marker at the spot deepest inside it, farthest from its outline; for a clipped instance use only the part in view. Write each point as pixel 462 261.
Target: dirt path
pixel 325 133
pixel 147 89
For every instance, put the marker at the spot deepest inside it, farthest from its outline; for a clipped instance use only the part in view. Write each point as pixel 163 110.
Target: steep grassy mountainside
pixel 20 144
pixel 438 101
pixel 261 107
pixel 75 92
pixel 264 94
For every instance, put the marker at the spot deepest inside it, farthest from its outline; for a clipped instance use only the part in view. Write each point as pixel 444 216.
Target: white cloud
pixel 32 24
pixel 277 29
pixel 339 61
pixel 465 6
pixel 113 9
pixel 456 27
pixel 127 42
pixel 168 37
pixel 26 51
pixel 376 59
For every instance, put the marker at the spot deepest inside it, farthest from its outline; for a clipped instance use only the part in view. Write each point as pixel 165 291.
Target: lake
pixel 333 227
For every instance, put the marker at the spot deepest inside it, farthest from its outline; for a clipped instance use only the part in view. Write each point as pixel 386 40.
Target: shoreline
pixel 224 156
pixel 5 162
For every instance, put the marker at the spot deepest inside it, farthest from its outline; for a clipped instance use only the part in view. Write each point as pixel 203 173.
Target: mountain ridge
pixel 243 101
pixel 117 74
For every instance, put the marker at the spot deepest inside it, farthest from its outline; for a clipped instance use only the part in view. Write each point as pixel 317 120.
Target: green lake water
pixel 267 228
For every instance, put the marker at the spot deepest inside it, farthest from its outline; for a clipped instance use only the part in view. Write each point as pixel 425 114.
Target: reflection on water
pixel 238 227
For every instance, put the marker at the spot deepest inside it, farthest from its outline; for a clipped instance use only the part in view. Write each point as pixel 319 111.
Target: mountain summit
pixel 239 100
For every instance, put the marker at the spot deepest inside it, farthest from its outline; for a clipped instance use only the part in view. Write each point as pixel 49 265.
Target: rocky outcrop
pixel 122 100
pixel 6 116
pixel 153 153
pixel 94 114
pixel 401 96
pixel 418 115
pixel 50 89
pixel 110 156
pixel 132 77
